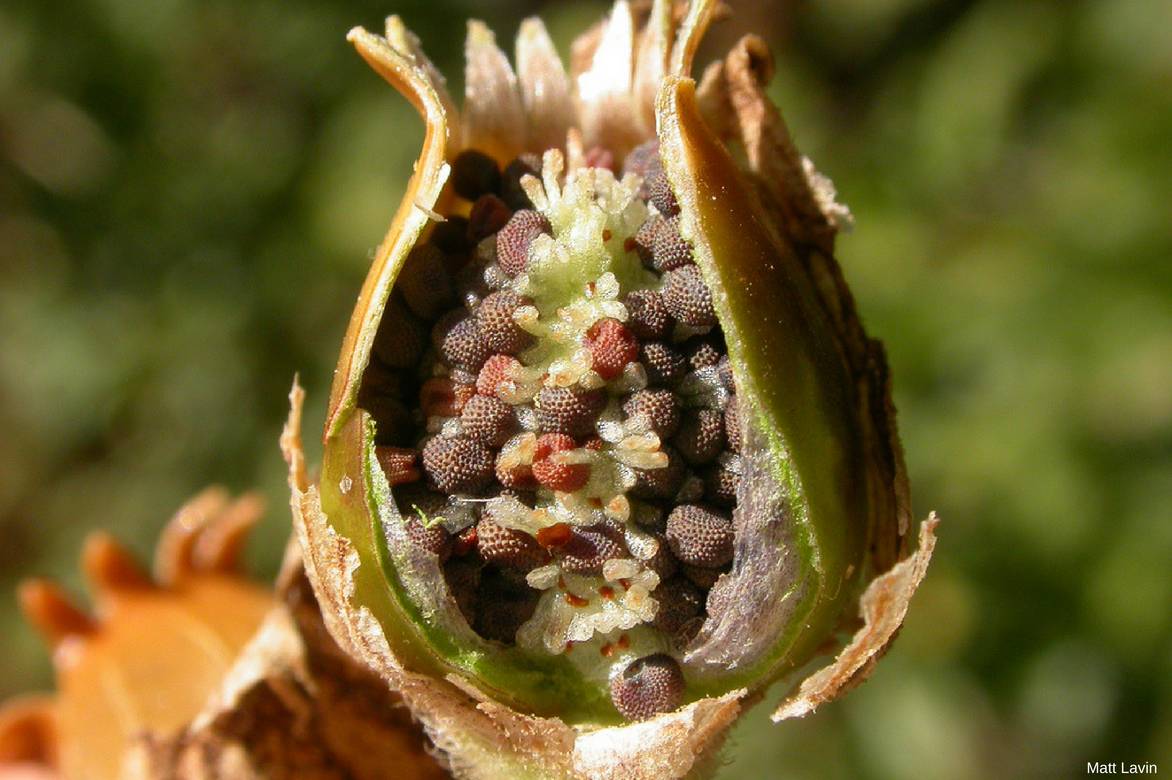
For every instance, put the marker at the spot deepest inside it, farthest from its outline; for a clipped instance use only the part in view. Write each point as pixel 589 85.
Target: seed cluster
pixel 594 451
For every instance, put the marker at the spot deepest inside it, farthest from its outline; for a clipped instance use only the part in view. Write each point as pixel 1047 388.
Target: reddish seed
pixel 517 477
pixel 489 214
pixel 513 240
pixel 565 477
pixel 441 396
pixel 612 346
pixel 398 463
pixel 497 369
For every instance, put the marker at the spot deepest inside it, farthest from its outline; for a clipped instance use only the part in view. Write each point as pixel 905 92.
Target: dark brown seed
pixel 503 606
pixel 401 337
pixel 398 464
pixel 645 238
pixel 488 420
pixel 421 510
pixel 662 483
pixel 500 331
pixel 658 407
pixel 724 370
pixel 451 236
pixel 457 464
pixel 572 412
pixel 680 603
pixel 380 397
pixel 663 563
pixel 700 353
pixel 459 342
pixel 589 548
pixel 660 194
pixel 508 547
pixel 474 173
pixel 647 316
pixel 669 250
pixel 488 215
pixel 517 476
pixel 440 396
pixel 732 424
pixel 642 160
pixel 700 536
pixel 528 164
pixel 720 485
pixel 647 687
pixel 702 577
pixel 701 436
pixel 463 577
pixel 687 297
pixel 513 240
pixel 664 365
pixel 425 282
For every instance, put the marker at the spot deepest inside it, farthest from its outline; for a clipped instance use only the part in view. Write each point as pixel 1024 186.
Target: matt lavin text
pixel 1120 768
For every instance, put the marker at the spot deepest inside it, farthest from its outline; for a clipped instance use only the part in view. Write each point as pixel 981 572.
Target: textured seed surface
pixel 663 562
pixel 720 485
pixel 512 242
pixel 553 474
pixel 700 536
pixel 458 340
pixel 680 604
pixel 664 365
pixel 612 346
pixel 647 687
pixel 647 315
pixel 498 328
pixel 399 464
pixel 587 549
pixel 701 436
pixel 659 190
pixel 732 425
pixel 441 396
pixel 572 412
pixel 642 160
pixel 488 420
pixel 658 406
pixel 508 547
pixel 687 297
pixel 401 337
pixel 474 174
pixel 425 283
pixel 702 577
pixel 497 369
pixel 700 352
pixel 458 464
pixel 661 483
pixel 646 237
pixel 669 251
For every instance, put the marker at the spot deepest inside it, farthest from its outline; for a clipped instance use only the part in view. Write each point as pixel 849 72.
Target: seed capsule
pixel 641 161
pixel 647 687
pixel 680 604
pixel 732 425
pixel 700 353
pixel 700 536
pixel 425 283
pixel 497 369
pixel 401 337
pixel 489 214
pixel 703 577
pixel 661 483
pixel 398 464
pixel 646 238
pixel 457 464
pixel 659 191
pixel 720 486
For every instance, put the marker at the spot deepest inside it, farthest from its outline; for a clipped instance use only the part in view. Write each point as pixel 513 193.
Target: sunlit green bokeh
pixel 190 192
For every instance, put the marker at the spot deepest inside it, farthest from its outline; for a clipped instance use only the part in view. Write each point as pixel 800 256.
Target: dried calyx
pixel 561 480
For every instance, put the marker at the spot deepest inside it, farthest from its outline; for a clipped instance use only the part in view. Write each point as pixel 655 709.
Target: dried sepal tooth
pixel 545 89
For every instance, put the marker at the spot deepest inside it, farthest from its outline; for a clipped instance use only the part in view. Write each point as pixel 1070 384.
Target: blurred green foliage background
pixel 190 191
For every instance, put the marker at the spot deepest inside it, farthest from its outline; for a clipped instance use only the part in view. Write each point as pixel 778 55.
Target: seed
pixel 463 578
pixel 549 472
pixel 663 563
pixel 512 242
pixel 700 353
pixel 643 242
pixel 687 297
pixel 401 337
pixel 662 483
pixel 508 547
pixel 425 282
pixel 589 548
pixel 647 687
pixel 572 412
pixel 701 436
pixel 642 160
pixel 511 189
pixel 380 397
pixel 497 369
pixel 398 464
pixel 700 536
pixel 503 606
pixel 720 485
pixel 680 604
pixel 500 332
pixel 702 577
pixel 724 371
pixel 488 420
pixel 474 173
pixel 458 340
pixel 611 347
pixel 428 535
pixel 488 215
pixel 664 365
pixel 660 194
pixel 457 464
pixel 451 237
pixel 720 596
pixel 442 397
pixel 669 250
pixel 659 407
pixel 732 424
pixel 647 315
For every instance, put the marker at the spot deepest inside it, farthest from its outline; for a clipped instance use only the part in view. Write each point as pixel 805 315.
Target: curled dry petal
pixel 822 508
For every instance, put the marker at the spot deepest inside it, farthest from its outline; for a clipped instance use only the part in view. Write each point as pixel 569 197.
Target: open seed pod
pixel 607 451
